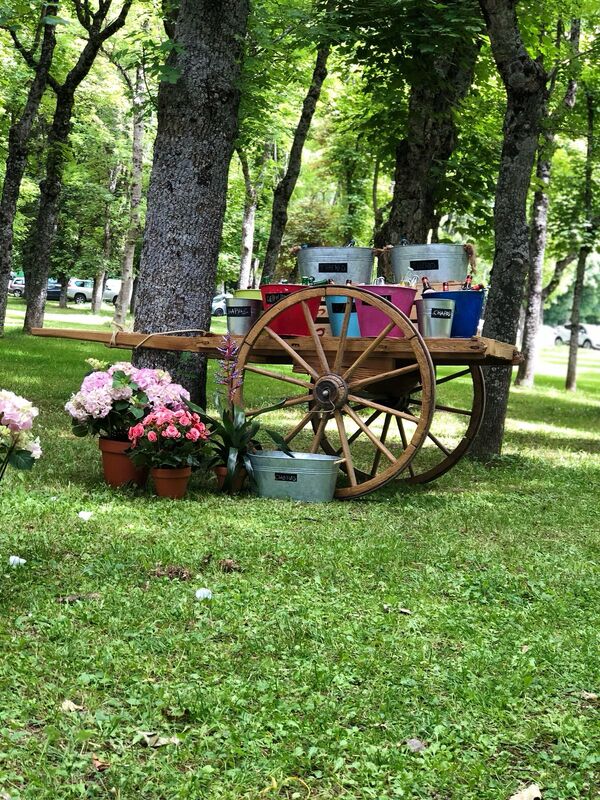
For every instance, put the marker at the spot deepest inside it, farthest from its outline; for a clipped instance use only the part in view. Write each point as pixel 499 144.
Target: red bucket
pixel 292 321
pixel 372 321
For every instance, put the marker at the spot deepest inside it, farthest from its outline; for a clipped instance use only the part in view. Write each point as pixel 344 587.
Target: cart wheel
pixel 329 404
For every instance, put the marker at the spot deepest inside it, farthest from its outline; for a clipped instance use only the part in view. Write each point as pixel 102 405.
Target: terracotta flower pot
pixel 171 482
pixel 118 468
pixel 238 478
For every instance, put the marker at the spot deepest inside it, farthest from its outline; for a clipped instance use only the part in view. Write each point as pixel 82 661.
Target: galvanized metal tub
pixel 437 262
pixel 310 477
pixel 339 264
pixel 242 313
pixel 434 316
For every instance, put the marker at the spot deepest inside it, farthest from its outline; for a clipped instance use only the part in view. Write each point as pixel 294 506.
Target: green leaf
pixel 50 20
pixel 21 459
pixel 79 429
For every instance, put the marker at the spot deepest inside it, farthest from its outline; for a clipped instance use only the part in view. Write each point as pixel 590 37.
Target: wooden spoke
pixel 402 433
pixel 452 377
pixel 382 376
pixel 345 448
pixel 316 338
pixel 291 352
pixel 357 433
pixel 377 442
pixel 384 433
pixel 344 333
pixel 363 401
pixel 450 409
pixel 292 401
pixel 295 431
pixel 318 434
pixel 277 376
pixel 370 348
pixel 437 442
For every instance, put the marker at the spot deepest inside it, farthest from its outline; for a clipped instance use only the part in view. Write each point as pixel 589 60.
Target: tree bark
pixel 100 277
pixel 285 187
pixel 16 162
pixel 134 228
pixel 197 122
pixel 57 157
pixel 422 156
pixel 539 220
pixel 525 84
pixel 586 248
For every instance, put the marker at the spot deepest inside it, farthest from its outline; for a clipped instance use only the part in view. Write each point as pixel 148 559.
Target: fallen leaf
pixel 5 796
pixel 69 706
pixel 203 594
pixel 99 764
pixel 150 739
pixel 16 561
pixel 173 572
pixel 591 697
pixel 532 792
pixel 85 515
pixel 406 611
pixel 415 745
pixel 525 648
pixel 229 565
pixel 75 598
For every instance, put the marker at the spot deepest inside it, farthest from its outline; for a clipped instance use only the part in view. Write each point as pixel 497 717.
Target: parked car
pixel 53 289
pixel 111 290
pixel 218 304
pixel 80 291
pixel 588 336
pixel 16 287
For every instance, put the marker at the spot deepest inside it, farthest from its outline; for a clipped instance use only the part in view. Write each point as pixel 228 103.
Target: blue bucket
pixel 468 306
pixel 336 307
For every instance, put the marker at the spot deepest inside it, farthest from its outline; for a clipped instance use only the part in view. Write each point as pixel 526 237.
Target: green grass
pixel 302 678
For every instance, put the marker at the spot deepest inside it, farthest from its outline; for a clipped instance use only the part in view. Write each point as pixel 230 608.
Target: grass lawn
pixel 303 677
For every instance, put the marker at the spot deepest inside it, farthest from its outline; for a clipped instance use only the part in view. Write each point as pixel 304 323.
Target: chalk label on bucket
pixel 289 477
pixel 431 263
pixel 239 311
pixel 275 297
pixel 334 266
pixel 441 313
pixel 340 308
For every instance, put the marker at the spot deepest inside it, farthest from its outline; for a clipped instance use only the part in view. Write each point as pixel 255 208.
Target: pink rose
pixel 171 432
pixel 136 431
pixel 152 437
pixel 193 435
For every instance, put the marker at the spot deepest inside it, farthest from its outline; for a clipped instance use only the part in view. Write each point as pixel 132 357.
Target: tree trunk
pixel 100 277
pixel 16 162
pixel 248 225
pixel 64 285
pixel 134 229
pixel 525 83
pixel 571 380
pixel 537 249
pixel 285 187
pixel 539 219
pixel 57 157
pixel 585 250
pixel 197 121
pixel 421 157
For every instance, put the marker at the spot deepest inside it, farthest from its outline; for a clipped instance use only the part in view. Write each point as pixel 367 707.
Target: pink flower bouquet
pixel 112 400
pixel 168 439
pixel 18 447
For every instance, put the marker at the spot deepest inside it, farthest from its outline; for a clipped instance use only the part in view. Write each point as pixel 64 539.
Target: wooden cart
pixel 390 407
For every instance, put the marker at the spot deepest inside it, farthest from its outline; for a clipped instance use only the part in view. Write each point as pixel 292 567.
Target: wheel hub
pixel 331 391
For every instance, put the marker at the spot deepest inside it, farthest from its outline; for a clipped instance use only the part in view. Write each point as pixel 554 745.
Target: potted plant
pixel 169 443
pixel 232 433
pixel 113 399
pixel 18 447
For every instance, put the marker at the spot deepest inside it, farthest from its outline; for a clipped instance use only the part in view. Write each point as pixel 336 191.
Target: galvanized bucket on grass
pixel 310 477
pixel 341 264
pixel 242 313
pixel 437 262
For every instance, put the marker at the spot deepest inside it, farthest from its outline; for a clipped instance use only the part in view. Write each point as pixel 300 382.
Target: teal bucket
pixel 310 477
pixel 336 308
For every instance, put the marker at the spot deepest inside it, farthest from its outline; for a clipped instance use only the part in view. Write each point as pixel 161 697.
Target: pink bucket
pixel 372 321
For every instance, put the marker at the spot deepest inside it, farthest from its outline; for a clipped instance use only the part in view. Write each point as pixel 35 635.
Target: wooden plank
pixel 477 350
